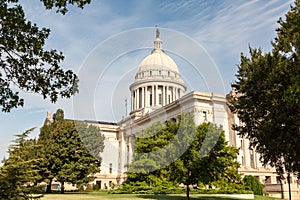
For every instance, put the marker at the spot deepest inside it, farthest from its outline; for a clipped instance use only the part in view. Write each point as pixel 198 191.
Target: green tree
pixel 183 153
pixel 209 160
pixel 254 184
pixel 66 158
pixel 25 63
pixel 150 157
pixel 20 170
pixel 268 97
pixel 91 138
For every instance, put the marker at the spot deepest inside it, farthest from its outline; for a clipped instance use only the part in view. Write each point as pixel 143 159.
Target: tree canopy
pixel 268 97
pixel 25 65
pixel 65 156
pixel 20 170
pixel 181 152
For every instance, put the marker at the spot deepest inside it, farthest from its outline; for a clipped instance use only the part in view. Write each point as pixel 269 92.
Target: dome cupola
pixel 157 82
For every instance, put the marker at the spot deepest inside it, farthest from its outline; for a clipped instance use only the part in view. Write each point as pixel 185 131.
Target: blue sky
pixel 105 42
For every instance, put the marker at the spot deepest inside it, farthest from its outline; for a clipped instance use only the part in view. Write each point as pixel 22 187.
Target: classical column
pixel 143 96
pixel 152 94
pixel 132 100
pixel 156 95
pixel 138 98
pixel 135 102
pixel 163 92
pixel 168 95
pixel 173 93
pixel 146 97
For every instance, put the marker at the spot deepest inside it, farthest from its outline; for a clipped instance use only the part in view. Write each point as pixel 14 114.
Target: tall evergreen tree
pixel 20 171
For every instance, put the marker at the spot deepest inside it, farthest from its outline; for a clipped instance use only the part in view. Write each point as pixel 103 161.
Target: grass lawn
pixel 105 196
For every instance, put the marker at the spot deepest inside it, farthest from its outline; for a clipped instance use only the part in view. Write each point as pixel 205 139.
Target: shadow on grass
pixel 182 197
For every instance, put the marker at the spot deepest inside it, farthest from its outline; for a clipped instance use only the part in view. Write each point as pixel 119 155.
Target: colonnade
pixel 154 95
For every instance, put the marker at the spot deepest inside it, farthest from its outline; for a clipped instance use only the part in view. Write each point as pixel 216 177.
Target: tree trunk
pixel 187 192
pixel 289 184
pixel 62 189
pixel 188 185
pixel 281 187
pixel 48 187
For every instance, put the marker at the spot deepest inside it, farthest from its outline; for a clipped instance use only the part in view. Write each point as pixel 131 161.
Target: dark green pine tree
pixel 19 173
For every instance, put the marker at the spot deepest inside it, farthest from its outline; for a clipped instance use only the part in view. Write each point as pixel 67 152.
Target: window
pixel 160 99
pixel 204 114
pixel 168 73
pixel 159 72
pixel 173 120
pixel 243 161
pixel 278 180
pixel 169 98
pixel 252 160
pixel 150 100
pixel 268 179
pixel 150 73
pixel 110 168
pixel 99 184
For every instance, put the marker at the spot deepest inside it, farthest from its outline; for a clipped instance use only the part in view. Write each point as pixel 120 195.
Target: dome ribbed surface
pixel 158 60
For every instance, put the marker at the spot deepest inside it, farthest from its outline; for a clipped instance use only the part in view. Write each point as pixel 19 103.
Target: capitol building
pixel 158 93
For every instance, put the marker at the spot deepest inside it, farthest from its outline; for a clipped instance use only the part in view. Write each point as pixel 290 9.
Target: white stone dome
pixel 157 82
pixel 156 61
pixel 158 66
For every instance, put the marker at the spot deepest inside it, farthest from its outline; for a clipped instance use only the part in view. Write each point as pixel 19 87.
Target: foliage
pixel 253 183
pixel 91 138
pixel 24 63
pixel 20 171
pixel 105 195
pixel 268 97
pixel 174 153
pixel 65 156
pixel 128 189
pixel 61 5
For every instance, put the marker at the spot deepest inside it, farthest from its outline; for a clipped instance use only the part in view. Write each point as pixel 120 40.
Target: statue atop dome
pixel 157 33
pixel 157 41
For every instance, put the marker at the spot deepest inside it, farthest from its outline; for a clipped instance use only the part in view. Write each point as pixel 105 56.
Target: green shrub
pixel 89 187
pixel 253 184
pixel 96 187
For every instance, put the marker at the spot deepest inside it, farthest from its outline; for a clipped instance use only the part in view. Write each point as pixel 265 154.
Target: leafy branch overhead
pixel 25 65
